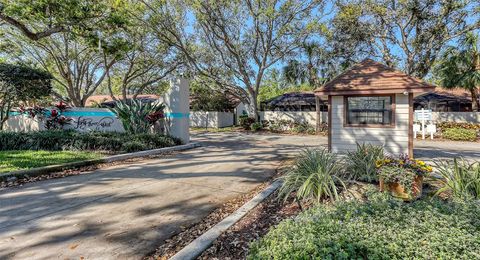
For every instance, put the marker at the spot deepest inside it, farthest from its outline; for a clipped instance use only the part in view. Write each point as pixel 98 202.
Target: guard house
pixel 371 103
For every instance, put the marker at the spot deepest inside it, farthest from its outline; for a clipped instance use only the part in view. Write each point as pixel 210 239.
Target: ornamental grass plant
pixel 315 175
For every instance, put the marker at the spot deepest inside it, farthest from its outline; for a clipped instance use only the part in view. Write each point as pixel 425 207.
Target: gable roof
pixel 371 77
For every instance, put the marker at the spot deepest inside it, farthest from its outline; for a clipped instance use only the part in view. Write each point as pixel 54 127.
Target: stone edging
pixel 203 242
pixel 60 167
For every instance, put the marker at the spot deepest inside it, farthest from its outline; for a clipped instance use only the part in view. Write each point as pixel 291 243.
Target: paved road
pixel 443 150
pixel 124 211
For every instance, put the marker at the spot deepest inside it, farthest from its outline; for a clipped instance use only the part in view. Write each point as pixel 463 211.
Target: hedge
pixel 55 140
pixel 378 229
pixel 460 134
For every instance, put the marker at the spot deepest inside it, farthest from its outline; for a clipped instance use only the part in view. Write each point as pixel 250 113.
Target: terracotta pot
pixel 397 190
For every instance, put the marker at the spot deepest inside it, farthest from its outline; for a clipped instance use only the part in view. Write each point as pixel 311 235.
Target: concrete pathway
pixel 125 211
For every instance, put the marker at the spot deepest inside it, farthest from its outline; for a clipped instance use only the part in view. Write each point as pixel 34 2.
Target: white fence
pixel 211 119
pixel 460 117
pixel 309 117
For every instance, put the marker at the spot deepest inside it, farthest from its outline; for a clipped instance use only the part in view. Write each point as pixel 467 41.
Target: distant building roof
pixel 291 100
pixel 107 98
pixel 371 77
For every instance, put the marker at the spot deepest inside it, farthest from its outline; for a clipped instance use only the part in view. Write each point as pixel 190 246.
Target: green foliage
pixel 381 228
pixel 17 160
pixel 43 18
pixel 418 31
pixel 133 146
pixel 284 125
pixel 460 178
pixel 138 117
pixel 460 134
pixel 245 121
pixel 21 84
pixel 256 126
pixel 54 140
pixel 314 176
pixel 361 163
pixel 460 67
pixel 209 98
pixel 445 125
pixel 26 83
pixel 303 127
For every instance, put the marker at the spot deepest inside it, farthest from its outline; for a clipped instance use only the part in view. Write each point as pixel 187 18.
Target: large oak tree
pixel 407 33
pixel 234 43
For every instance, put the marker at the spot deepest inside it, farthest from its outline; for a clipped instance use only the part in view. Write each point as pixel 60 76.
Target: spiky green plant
pixel 361 163
pixel 459 177
pixel 136 116
pixel 314 176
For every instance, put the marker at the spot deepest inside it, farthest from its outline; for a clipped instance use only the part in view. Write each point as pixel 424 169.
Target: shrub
pixel 246 121
pixel 138 117
pixel 445 125
pixel 54 140
pixel 256 126
pixel 361 163
pixel 460 178
pixel 133 146
pixel 381 228
pixel 314 176
pixel 304 128
pixel 460 134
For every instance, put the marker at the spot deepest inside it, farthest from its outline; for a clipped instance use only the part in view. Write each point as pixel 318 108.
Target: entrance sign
pixel 424 115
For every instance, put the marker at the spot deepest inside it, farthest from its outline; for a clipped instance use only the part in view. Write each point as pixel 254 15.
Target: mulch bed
pixel 234 243
pixel 171 246
pixel 176 243
pixel 18 182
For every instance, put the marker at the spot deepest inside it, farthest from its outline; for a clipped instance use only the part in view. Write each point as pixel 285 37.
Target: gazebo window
pixel 369 110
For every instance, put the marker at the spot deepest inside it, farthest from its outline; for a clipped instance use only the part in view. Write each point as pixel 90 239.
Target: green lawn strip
pixel 19 160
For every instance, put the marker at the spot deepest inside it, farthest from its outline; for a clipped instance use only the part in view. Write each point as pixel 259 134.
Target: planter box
pixel 398 191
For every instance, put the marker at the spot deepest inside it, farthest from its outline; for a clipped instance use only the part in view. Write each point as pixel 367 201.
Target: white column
pixel 177 110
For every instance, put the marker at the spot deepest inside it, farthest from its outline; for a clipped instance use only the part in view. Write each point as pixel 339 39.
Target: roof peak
pixel 373 77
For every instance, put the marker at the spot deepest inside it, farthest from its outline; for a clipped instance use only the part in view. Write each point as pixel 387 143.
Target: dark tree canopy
pixel 25 83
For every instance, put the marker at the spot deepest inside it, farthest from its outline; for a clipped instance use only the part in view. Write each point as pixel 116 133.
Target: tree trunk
pixel 475 101
pixel 253 106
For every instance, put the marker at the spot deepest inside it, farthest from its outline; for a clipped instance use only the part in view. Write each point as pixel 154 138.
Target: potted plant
pixel 403 176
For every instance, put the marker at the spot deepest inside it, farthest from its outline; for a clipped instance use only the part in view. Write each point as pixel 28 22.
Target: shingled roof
pixel 371 77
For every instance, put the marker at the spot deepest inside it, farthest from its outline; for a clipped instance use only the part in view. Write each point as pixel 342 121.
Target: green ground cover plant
pixel 56 140
pixel 19 160
pixel 460 134
pixel 381 228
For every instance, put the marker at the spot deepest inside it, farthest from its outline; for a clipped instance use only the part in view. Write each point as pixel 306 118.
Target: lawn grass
pixel 19 160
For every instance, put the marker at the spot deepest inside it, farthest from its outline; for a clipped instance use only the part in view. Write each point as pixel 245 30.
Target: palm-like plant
pixel 460 67
pixel 138 117
pixel 361 163
pixel 459 177
pixel 314 176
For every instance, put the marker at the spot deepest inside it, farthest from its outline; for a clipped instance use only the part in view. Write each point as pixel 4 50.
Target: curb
pixel 114 158
pixel 203 242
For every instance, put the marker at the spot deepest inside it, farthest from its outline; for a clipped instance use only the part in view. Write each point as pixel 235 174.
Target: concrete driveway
pixel 125 211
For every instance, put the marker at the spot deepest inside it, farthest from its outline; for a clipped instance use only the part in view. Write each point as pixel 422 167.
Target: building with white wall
pixel 371 103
